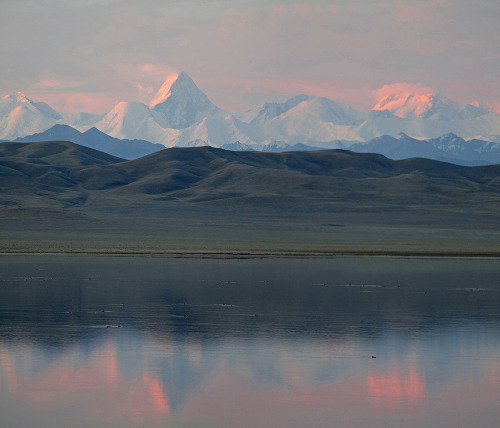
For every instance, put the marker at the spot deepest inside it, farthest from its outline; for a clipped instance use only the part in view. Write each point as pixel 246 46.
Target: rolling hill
pixel 322 179
pixel 197 197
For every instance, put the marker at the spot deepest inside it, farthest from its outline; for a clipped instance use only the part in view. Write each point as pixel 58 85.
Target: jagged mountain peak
pixel 93 131
pixel 19 97
pixel 177 86
pixel 181 102
pixel 12 101
pixel 165 89
pixel 21 116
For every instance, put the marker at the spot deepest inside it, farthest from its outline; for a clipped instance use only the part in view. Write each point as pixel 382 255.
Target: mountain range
pixel 447 148
pixel 95 139
pixel 181 115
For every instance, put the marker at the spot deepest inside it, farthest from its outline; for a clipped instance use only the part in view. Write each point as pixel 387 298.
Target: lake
pixel 102 341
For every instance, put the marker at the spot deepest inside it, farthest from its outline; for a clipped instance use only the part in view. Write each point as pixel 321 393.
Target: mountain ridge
pixel 320 180
pixel 448 147
pixel 95 139
pixel 180 113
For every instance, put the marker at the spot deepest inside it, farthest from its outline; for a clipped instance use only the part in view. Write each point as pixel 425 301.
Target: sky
pixel 88 55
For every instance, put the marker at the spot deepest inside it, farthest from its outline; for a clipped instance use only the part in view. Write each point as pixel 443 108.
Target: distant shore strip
pixel 257 255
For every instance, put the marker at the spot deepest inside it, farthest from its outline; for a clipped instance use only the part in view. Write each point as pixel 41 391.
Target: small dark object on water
pixel 70 312
pixel 185 316
pixel 373 356
pixel 256 315
pixel 108 326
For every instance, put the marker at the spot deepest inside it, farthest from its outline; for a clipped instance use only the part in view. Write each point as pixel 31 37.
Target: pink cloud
pixel 157 70
pixel 396 88
pixel 145 91
pixel 303 11
pixel 75 102
pixel 280 88
pixel 493 106
pixel 53 84
pixel 400 89
pixel 413 14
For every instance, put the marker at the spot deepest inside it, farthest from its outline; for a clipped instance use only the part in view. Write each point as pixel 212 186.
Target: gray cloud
pixel 261 49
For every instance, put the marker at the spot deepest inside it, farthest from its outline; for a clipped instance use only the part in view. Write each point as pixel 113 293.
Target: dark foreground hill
pixel 189 193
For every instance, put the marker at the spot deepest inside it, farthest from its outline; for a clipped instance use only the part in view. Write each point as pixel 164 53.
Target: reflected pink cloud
pixel 302 403
pixel 381 394
pixel 65 379
pixel 7 365
pixel 493 378
pixel 156 392
pixel 395 387
pixel 97 382
pixel 233 396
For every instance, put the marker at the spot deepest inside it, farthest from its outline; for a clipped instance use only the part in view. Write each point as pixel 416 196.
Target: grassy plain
pixel 218 233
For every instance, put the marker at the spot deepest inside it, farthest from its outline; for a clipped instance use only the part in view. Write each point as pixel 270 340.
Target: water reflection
pixel 418 347
pixel 397 387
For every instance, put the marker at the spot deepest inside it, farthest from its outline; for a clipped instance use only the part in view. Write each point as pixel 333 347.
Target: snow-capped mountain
pixel 21 116
pixel 181 103
pixel 269 111
pixel 448 147
pixel 315 120
pixel 180 114
pixel 132 121
pixel 82 119
pixel 424 104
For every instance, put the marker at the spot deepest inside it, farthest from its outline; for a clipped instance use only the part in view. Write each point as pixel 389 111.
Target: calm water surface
pixel 342 342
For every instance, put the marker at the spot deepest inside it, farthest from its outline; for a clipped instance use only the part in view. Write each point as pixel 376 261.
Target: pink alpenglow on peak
pixel 418 102
pixel 181 103
pixel 406 101
pixel 19 97
pixel 165 90
pixel 12 102
pixel 20 116
pixel 179 86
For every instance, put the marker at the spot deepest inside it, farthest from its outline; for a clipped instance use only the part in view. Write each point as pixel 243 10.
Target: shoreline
pixel 260 255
